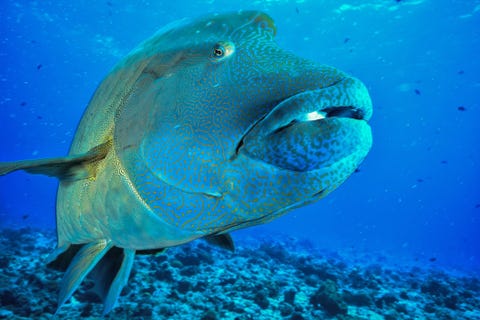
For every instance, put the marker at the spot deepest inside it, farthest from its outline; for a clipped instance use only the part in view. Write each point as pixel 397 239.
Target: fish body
pixel 206 127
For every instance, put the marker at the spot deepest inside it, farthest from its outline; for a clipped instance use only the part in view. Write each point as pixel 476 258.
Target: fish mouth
pixel 346 98
pixel 337 111
pixel 313 128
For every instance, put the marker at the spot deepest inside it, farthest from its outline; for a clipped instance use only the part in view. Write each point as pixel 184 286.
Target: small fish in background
pixel 23 103
pixel 297 11
pixel 39 66
pixel 477 206
pixel 460 72
pixel 417 92
pixel 432 259
pixel 346 40
pixel 110 6
pixel 461 108
pixel 25 216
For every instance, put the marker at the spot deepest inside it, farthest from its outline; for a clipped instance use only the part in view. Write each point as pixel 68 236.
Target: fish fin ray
pixel 83 262
pixel 119 281
pixel 223 241
pixel 69 168
pixel 110 275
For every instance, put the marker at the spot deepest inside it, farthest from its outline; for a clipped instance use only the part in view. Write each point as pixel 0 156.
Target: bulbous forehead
pixel 229 26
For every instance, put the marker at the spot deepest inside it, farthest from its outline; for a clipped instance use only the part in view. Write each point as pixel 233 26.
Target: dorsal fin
pixel 70 168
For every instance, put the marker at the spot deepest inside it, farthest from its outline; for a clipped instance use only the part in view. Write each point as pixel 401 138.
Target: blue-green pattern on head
pixel 216 134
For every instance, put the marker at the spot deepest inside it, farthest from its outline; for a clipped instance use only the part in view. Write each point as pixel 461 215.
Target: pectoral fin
pixel 68 168
pixel 223 241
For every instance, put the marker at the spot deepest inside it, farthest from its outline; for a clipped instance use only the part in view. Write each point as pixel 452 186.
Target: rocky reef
pixel 263 279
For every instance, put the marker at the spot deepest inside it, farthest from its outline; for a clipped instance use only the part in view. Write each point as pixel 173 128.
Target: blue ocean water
pixel 415 198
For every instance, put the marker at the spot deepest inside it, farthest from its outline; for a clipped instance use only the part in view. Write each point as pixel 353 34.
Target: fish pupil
pixel 218 52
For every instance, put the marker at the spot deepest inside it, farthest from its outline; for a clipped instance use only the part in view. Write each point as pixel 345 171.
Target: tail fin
pixel 74 167
pixel 109 267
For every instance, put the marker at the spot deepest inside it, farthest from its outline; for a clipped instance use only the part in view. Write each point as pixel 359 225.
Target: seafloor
pixel 264 279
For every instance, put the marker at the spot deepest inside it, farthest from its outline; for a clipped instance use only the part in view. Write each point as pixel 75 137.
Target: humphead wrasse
pixel 207 127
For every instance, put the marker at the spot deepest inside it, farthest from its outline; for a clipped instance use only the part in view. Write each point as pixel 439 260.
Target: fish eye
pixel 218 51
pixel 222 50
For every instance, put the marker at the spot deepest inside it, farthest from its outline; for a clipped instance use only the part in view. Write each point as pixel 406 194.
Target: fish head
pixel 224 129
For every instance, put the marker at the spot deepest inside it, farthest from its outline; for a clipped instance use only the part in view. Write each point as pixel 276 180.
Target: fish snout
pixel 347 98
pixel 314 129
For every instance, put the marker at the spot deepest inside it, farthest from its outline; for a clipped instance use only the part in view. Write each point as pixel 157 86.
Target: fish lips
pixel 314 129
